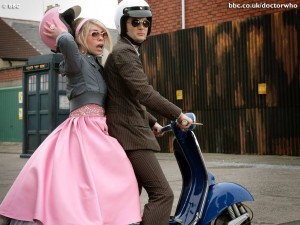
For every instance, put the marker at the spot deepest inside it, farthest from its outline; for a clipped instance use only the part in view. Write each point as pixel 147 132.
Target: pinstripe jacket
pixel 129 96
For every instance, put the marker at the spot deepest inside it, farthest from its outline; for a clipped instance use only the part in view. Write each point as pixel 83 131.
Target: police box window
pixel 44 82
pixel 32 83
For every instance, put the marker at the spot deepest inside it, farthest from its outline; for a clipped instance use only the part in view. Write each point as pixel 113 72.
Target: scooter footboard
pixel 222 195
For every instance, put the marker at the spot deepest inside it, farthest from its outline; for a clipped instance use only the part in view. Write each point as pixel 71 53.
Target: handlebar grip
pixel 166 128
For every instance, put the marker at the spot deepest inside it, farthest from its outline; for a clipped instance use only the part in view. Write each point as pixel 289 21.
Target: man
pixel 129 93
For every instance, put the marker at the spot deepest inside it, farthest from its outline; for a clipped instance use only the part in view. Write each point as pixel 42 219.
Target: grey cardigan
pixel 85 83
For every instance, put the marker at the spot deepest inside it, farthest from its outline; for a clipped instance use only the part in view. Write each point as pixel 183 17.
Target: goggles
pixel 137 22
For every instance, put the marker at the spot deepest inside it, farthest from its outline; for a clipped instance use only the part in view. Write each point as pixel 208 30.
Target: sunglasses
pixel 137 22
pixel 97 34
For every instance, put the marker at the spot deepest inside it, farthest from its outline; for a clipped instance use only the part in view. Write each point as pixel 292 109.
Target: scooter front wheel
pixel 236 214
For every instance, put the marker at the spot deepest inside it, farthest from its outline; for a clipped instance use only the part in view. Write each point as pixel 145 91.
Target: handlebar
pixel 166 128
pixel 184 122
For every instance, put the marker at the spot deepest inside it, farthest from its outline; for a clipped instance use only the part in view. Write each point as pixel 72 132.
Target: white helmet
pixel 131 8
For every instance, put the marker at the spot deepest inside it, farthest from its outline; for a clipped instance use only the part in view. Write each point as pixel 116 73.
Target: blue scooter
pixel 202 200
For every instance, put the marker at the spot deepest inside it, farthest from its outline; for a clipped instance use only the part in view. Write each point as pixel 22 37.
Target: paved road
pixel 274 181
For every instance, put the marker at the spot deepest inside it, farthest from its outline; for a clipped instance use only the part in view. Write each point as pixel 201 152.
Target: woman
pixel 79 175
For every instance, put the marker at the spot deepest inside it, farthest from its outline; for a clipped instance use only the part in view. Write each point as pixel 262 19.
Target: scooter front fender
pixel 220 196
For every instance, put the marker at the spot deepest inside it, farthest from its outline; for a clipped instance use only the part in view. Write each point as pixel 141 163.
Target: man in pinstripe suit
pixel 129 93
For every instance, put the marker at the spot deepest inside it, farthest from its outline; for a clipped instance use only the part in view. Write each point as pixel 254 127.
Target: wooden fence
pixel 240 78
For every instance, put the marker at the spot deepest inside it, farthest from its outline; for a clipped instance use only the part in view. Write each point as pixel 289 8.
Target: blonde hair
pixel 81 38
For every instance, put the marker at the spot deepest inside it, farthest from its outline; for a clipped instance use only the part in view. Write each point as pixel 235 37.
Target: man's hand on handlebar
pixel 184 122
pixel 157 130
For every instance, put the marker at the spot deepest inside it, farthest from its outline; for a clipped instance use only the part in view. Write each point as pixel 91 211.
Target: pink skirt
pixel 78 176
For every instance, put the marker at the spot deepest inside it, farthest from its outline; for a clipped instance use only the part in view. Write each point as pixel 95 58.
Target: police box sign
pixel 36 67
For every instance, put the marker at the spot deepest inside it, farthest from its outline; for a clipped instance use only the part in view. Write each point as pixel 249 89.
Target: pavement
pixel 273 181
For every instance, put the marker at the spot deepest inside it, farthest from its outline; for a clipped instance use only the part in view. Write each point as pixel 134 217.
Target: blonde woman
pixel 79 175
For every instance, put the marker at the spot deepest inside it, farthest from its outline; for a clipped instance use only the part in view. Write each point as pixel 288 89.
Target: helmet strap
pixel 132 41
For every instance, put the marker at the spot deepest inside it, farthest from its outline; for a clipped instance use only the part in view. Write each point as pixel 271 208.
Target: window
pixel 44 82
pixel 32 83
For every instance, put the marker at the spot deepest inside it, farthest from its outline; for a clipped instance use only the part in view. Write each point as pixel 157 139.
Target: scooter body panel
pixel 194 179
pixel 201 199
pixel 221 196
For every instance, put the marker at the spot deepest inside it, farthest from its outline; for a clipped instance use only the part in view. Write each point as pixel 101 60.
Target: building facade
pixel 173 15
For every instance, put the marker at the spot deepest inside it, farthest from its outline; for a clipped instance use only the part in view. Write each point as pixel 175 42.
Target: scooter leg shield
pixel 194 177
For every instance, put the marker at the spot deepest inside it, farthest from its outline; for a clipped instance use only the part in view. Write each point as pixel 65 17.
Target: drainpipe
pixel 183 13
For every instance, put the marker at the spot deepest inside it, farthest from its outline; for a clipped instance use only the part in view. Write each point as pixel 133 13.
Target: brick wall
pixel 167 13
pixel 10 74
pixel 166 16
